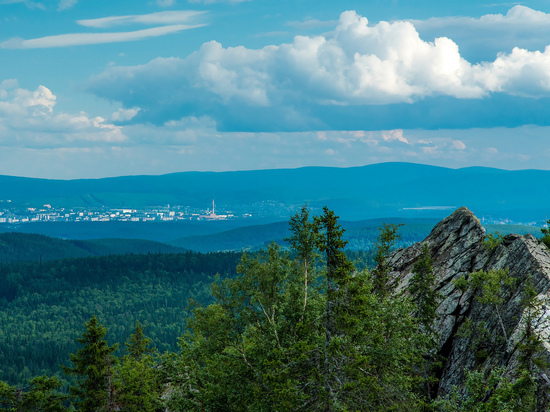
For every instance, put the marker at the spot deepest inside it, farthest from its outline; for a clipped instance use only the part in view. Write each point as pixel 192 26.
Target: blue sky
pixel 95 88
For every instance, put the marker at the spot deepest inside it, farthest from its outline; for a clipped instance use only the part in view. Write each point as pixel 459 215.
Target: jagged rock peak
pixel 457 247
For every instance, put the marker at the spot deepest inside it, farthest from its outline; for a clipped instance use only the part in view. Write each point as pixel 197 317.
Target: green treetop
pixel 92 368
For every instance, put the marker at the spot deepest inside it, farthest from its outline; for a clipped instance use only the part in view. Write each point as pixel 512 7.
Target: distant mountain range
pixel 380 190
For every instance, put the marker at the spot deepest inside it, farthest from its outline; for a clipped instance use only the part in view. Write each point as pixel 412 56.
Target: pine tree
pixel 92 369
pixel 385 242
pixel 422 289
pixel 138 385
pixel 138 345
pixel 338 273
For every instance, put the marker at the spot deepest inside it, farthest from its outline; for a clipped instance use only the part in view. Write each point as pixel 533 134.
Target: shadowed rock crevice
pixel 456 245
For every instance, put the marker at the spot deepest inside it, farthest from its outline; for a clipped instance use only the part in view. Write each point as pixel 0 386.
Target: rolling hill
pixel 386 189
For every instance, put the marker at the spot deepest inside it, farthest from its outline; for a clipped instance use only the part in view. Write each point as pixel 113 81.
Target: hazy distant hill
pixel 16 247
pixel 361 235
pixel 387 189
pixel 157 231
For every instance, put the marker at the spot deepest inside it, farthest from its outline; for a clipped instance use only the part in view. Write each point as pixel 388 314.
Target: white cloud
pixel 123 115
pixel 355 64
pixel 482 38
pixel 79 39
pixel 458 145
pixel 518 16
pixel 28 119
pixel 160 18
pixel 66 4
pixel 391 135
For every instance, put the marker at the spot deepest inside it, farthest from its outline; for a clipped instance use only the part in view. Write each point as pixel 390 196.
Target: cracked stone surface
pixel 456 245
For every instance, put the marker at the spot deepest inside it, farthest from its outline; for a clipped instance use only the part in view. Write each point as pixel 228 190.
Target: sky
pixel 97 88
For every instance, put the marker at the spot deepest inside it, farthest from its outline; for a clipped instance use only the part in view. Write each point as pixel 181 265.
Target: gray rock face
pixel 456 244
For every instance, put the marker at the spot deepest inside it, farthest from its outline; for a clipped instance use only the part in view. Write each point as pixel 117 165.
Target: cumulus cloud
pixel 482 38
pixel 28 119
pixel 80 39
pixel 160 18
pixel 294 85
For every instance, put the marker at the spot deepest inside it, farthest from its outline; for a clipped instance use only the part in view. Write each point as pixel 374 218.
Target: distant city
pixel 11 213
pixel 48 213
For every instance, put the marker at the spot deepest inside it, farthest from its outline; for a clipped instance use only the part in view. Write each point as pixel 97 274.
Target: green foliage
pixel 138 345
pixel 492 240
pixel 42 394
pixel 303 240
pixel 43 306
pixel 93 370
pixel 531 345
pixel 257 347
pixel 254 348
pixel 385 242
pixel 493 286
pixel 492 393
pixel 422 289
pixel 546 234
pixel 137 379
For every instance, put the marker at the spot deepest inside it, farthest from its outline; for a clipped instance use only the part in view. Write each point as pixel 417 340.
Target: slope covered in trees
pixel 308 331
pixel 44 305
pixel 16 247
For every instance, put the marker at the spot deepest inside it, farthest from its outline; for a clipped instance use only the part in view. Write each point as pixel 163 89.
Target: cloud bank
pixel 355 66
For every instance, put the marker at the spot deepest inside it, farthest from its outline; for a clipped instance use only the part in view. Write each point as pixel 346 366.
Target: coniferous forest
pixel 279 330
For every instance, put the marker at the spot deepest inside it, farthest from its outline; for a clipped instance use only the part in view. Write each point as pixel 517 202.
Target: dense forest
pixel 300 330
pixel 43 305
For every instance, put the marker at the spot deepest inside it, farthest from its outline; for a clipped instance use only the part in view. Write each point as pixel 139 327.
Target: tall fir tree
pixel 93 370
pixel 381 274
pixel 138 382
pixel 138 344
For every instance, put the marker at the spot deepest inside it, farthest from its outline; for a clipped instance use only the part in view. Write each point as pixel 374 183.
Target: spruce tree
pixel 92 369
pixel 385 242
pixel 138 385
pixel 138 344
pixel 422 289
pixel 338 273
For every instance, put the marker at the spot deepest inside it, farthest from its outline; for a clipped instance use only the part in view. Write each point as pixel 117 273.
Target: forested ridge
pixel 43 305
pixel 300 330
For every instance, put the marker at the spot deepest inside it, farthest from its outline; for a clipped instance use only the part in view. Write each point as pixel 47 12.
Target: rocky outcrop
pixel 456 244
